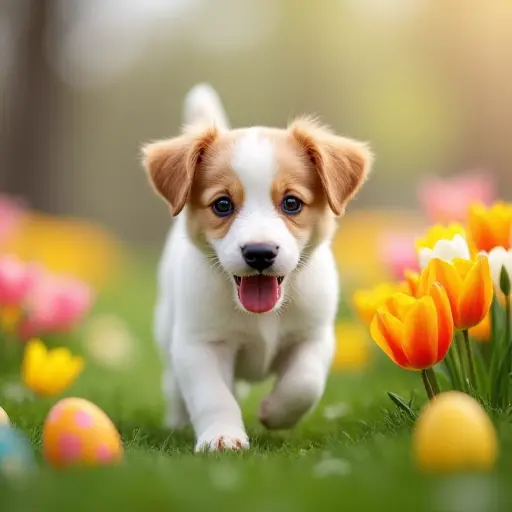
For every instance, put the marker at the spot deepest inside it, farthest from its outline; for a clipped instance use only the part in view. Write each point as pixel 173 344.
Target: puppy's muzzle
pixel 260 256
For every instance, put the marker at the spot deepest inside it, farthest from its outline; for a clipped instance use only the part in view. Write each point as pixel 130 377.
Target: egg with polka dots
pixel 78 433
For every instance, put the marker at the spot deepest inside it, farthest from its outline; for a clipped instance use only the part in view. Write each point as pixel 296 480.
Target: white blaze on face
pixel 257 221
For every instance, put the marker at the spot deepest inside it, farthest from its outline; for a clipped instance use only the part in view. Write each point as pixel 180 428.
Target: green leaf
pixel 500 346
pixel 481 370
pixel 504 281
pixel 444 380
pixel 402 405
pixel 451 364
pixel 501 384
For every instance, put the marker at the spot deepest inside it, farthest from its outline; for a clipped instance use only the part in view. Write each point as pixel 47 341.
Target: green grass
pixel 359 461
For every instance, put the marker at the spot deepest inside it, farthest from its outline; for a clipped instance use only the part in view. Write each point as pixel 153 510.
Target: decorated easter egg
pixel 77 432
pixel 16 455
pixel 454 433
pixel 4 419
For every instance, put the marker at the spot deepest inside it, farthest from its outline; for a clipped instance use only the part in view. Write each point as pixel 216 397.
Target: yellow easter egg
pixel 454 433
pixel 77 432
pixel 4 419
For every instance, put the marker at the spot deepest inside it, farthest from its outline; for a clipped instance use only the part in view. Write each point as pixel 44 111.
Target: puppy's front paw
pixel 218 438
pixel 283 414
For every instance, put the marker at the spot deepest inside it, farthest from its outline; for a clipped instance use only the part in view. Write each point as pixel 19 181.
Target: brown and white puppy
pixel 247 284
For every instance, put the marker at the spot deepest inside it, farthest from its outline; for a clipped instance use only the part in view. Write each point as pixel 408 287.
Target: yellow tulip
pixel 454 433
pixel 490 227
pixel 439 232
pixel 352 347
pixel 468 285
pixel 414 333
pixel 367 302
pixel 49 372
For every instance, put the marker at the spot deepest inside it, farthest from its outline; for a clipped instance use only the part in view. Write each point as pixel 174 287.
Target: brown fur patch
pixel 214 179
pixel 298 177
pixel 342 164
pixel 323 170
pixel 171 164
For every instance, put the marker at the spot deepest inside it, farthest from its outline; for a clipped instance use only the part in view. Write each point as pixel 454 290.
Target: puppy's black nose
pixel 259 256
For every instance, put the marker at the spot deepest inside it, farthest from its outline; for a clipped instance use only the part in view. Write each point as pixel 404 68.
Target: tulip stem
pixel 453 368
pixel 460 352
pixel 507 326
pixel 471 359
pixel 430 382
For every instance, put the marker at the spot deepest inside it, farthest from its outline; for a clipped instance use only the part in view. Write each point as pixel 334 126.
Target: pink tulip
pixel 11 213
pixel 17 280
pixel 447 199
pixel 57 305
pixel 397 251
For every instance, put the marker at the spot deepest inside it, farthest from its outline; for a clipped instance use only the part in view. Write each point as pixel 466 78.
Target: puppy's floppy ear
pixel 171 164
pixel 342 164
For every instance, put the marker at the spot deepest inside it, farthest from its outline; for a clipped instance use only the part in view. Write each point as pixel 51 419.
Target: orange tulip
pixel 490 227
pixel 412 281
pixel 468 285
pixel 415 333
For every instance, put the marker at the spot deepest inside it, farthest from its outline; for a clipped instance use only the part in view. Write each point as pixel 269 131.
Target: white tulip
pixel 446 250
pixel 500 258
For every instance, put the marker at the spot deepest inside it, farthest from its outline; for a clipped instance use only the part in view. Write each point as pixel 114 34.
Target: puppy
pixel 248 286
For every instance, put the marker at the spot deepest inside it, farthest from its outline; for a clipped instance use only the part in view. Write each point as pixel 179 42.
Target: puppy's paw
pixel 220 438
pixel 279 414
pixel 175 421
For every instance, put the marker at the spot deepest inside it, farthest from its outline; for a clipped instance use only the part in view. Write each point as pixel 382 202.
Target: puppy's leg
pixel 175 413
pixel 205 377
pixel 301 376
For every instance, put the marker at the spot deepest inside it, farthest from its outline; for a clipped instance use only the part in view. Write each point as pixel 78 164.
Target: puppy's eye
pixel 223 207
pixel 291 205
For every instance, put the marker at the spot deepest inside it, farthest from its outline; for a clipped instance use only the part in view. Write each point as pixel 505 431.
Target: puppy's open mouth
pixel 260 293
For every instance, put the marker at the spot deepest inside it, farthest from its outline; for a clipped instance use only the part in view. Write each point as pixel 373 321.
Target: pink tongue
pixel 259 294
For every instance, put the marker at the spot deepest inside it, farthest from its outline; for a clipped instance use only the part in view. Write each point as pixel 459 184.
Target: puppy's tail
pixel 203 105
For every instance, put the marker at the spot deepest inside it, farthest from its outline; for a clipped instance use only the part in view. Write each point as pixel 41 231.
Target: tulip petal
pixel 490 227
pixel 445 325
pixel 420 334
pixel 387 332
pixel 425 256
pixel 446 274
pixel 412 280
pixel 399 304
pixel 33 362
pixel 476 294
pixel 500 258
pixel 462 266
pixel 480 235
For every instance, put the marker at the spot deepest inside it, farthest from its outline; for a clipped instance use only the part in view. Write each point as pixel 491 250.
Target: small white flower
pixel 446 250
pixel 500 258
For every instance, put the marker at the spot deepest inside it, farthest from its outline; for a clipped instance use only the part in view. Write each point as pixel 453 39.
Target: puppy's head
pixel 258 200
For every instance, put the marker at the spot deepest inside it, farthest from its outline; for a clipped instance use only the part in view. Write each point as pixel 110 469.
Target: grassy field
pixel 351 454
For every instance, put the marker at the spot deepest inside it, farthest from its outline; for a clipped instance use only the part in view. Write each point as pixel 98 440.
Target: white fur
pixel 208 344
pixel 258 221
pixel 202 103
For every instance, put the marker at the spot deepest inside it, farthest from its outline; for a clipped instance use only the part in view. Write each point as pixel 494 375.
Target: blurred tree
pixel 34 110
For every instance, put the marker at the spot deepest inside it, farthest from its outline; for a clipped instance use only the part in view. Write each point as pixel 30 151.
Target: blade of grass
pixel 402 405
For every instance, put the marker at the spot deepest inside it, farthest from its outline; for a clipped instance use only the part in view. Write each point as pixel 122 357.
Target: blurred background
pixel 85 83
